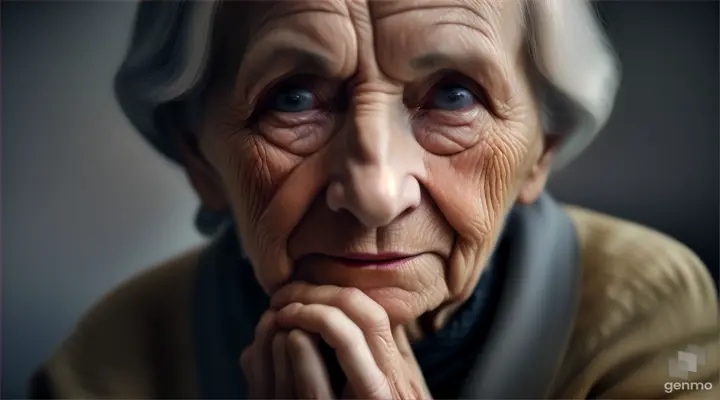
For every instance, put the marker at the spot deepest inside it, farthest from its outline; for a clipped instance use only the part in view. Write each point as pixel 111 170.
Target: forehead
pixel 405 39
pixel 379 9
pixel 251 20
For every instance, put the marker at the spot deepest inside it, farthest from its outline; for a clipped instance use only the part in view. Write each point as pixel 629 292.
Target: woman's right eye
pixel 292 100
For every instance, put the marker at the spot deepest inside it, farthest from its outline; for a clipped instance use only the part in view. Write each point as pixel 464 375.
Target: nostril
pixel 374 197
pixel 375 217
pixel 371 206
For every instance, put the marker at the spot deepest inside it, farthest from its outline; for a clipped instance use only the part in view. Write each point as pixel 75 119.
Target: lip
pixel 381 260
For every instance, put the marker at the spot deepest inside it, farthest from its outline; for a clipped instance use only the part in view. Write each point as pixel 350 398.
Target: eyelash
pixel 328 100
pixel 324 97
pixel 449 78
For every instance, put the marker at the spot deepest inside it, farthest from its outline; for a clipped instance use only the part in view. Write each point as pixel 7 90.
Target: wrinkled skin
pixel 350 127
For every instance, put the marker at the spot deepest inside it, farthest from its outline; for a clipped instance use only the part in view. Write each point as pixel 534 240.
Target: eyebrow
pixel 430 61
pixel 490 71
pixel 305 59
pixel 439 60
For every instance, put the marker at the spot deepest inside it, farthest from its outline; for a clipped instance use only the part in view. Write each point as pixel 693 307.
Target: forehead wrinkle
pixel 276 58
pixel 453 12
pixel 477 65
pixel 283 9
pixel 292 47
pixel 482 46
pixel 435 14
pixel 310 61
pixel 243 24
pixel 261 26
pixel 279 10
pixel 385 9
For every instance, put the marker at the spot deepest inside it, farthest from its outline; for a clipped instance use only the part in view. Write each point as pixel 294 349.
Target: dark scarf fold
pixel 228 304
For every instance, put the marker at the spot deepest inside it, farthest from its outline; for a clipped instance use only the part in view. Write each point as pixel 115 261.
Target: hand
pixel 376 358
pixel 284 365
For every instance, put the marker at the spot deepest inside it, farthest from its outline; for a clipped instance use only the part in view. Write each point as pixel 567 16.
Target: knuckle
pixel 369 315
pixel 355 335
pixel 289 313
pixel 379 320
pixel 376 320
pixel 297 340
pixel 351 298
pixel 290 293
pixel 291 309
pixel 267 322
pixel 329 316
pixel 387 344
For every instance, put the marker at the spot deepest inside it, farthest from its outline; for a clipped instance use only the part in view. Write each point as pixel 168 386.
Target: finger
pixel 403 344
pixel 311 378
pixel 368 315
pixel 302 292
pixel 282 373
pixel 343 335
pixel 405 348
pixel 246 364
pixel 262 386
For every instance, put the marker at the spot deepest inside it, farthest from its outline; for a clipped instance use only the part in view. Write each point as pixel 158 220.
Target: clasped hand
pixel 284 361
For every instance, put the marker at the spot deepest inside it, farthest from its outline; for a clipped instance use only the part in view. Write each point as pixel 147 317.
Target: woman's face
pixel 372 145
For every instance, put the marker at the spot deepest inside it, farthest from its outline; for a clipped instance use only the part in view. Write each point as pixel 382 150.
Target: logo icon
pixel 687 361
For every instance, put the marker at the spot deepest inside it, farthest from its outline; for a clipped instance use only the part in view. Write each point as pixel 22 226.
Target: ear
pixel 537 177
pixel 202 176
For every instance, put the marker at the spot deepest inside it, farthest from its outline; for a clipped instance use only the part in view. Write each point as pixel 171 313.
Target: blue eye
pixel 453 97
pixel 292 100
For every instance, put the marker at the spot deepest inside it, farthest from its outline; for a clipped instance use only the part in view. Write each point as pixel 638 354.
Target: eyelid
pixel 461 81
pixel 420 96
pixel 322 90
pixel 279 85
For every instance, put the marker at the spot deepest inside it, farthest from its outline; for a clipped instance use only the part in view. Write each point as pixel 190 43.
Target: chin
pixel 405 291
pixel 402 306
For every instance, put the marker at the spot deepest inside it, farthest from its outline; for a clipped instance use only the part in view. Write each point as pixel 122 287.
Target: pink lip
pixel 382 260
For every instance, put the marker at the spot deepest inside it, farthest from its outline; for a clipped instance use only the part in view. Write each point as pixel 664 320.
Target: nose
pixel 376 167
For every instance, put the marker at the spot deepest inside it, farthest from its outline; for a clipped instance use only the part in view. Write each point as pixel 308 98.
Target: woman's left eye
pixel 452 97
pixel 292 100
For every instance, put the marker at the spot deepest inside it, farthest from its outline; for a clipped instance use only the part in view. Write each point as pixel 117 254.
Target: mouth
pixel 382 260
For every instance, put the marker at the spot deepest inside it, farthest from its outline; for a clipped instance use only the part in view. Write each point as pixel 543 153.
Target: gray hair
pixel 573 68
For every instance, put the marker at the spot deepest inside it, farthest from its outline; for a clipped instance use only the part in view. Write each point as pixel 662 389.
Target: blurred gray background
pixel 85 203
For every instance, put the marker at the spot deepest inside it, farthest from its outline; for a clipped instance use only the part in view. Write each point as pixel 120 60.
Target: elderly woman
pixel 373 174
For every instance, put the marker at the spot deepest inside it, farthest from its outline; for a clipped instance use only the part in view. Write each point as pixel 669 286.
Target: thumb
pixel 405 348
pixel 403 344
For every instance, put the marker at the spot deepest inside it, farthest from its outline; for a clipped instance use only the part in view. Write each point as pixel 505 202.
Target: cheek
pixel 474 189
pixel 254 174
pixel 251 171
